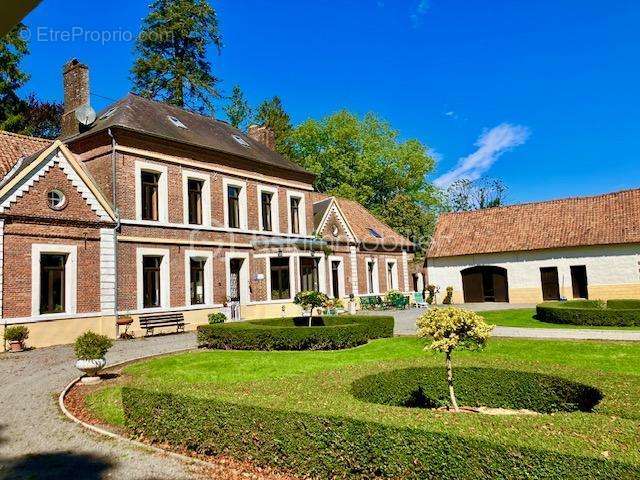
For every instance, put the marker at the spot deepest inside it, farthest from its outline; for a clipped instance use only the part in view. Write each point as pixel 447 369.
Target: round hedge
pixel 476 387
pixel 615 313
pixel 293 333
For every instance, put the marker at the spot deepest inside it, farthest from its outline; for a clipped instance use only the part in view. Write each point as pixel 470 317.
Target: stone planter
pixel 91 369
pixel 16 346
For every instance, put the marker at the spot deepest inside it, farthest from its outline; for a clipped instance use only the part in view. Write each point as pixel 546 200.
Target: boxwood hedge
pixel 426 387
pixel 293 333
pixel 620 313
pixel 320 446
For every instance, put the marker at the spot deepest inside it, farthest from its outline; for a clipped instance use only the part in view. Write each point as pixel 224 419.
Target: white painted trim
pixel 354 269
pixel 275 209
pixel 341 288
pixel 107 271
pixel 51 317
pixel 208 276
pixel 376 279
pixel 164 277
pixel 292 277
pixel 230 182
pixel 334 208
pixel 1 262
pixel 245 292
pixel 70 276
pixel 302 211
pixel 405 271
pixel 206 196
pixel 170 309
pixel 394 273
pixel 163 190
pixel 149 223
pixel 322 278
pixel 215 168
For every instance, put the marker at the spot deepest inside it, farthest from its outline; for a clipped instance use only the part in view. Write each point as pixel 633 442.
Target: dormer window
pixel 240 140
pixel 176 121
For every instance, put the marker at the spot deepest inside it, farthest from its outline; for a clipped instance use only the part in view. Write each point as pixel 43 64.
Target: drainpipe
pixel 114 197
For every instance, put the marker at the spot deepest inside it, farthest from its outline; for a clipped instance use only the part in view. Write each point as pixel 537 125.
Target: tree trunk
pixel 452 394
pixel 310 315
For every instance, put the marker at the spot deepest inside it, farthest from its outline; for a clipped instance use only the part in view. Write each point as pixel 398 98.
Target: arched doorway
pixel 485 284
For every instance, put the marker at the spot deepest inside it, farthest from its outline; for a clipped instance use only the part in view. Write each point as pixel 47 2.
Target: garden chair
pixel 420 301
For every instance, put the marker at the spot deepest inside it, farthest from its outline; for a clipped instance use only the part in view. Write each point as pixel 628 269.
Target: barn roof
pixel 612 218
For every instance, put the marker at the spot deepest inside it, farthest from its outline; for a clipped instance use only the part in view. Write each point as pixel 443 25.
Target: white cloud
pixel 420 11
pixel 491 144
pixel 451 114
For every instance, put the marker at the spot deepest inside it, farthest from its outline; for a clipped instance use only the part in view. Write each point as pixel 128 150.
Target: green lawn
pixel 319 383
pixel 524 317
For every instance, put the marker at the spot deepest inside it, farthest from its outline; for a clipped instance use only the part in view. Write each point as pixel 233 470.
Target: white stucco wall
pixel 612 271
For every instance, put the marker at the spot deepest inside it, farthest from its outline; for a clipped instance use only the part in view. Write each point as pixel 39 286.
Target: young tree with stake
pixel 450 328
pixel 311 300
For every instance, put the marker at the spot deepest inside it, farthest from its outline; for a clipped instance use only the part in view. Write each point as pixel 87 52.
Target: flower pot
pixel 16 346
pixel 91 369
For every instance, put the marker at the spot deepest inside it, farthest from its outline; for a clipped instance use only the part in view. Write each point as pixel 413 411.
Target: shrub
pixel 588 314
pixel 395 299
pixel 90 346
pixel 447 299
pixel 425 387
pixel 216 318
pixel 432 289
pixel 319 446
pixel 16 333
pixel 451 328
pixel 624 304
pixel 326 333
pixel 310 300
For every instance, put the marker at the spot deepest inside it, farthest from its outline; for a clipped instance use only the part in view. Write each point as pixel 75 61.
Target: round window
pixel 56 200
pixel 335 231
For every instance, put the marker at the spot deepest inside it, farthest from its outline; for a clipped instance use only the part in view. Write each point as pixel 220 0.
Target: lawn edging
pixel 616 313
pixel 292 333
pixel 342 447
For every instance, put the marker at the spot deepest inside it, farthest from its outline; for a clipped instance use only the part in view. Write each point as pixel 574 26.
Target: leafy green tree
pixel 238 110
pixel 310 299
pixel 13 48
pixel 171 64
pixel 450 328
pixel 271 113
pixel 363 159
pixel 464 195
pixel 38 118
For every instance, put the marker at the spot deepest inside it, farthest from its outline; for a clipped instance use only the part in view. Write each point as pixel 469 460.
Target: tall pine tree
pixel 238 110
pixel 272 114
pixel 172 63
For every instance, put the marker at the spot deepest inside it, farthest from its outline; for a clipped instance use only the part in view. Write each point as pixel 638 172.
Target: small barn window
pixel 56 200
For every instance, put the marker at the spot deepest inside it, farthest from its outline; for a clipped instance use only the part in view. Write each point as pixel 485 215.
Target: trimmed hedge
pixel 293 333
pixel 318 446
pixel 624 304
pixel 475 387
pixel 589 313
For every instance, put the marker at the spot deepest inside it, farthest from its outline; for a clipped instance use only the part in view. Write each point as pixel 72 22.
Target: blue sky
pixel 543 95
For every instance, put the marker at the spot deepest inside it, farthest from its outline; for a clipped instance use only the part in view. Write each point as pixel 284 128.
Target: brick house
pixel 585 247
pixel 150 208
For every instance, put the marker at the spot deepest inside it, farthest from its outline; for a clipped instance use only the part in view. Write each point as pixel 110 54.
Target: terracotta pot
pixel 16 346
pixel 91 369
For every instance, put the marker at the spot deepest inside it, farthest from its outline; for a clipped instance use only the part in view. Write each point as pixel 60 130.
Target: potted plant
pixel 16 335
pixel 90 349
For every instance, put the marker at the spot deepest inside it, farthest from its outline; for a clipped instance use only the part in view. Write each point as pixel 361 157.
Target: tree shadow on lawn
pixel 56 465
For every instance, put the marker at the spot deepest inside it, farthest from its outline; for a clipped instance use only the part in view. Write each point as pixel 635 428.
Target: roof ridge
pixel 542 202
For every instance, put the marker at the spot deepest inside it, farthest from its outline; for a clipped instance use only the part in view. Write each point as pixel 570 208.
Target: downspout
pixel 114 197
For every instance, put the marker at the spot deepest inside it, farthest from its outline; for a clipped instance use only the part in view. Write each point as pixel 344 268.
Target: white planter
pixel 91 369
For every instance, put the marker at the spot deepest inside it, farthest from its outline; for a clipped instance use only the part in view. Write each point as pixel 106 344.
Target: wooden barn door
pixel 472 286
pixel 550 286
pixel 500 286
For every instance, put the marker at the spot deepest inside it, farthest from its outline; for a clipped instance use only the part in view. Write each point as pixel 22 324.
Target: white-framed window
pixel 311 272
pixel 371 271
pixel 296 213
pixel 152 278
pixel 196 198
pixel 336 279
pixel 54 279
pixel 391 272
pixel 280 277
pixel 152 194
pixel 268 211
pixel 198 277
pixel 237 276
pixel 235 203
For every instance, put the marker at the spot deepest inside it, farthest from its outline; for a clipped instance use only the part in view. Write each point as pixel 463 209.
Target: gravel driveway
pixel 38 442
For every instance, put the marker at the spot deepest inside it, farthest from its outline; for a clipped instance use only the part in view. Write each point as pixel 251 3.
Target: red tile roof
pixel 612 218
pixel 13 147
pixel 362 222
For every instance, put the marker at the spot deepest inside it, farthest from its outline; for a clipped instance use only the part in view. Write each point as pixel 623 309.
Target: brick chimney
pixel 263 134
pixel 75 80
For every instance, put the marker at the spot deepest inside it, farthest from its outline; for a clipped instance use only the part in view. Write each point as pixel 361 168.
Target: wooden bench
pixel 158 320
